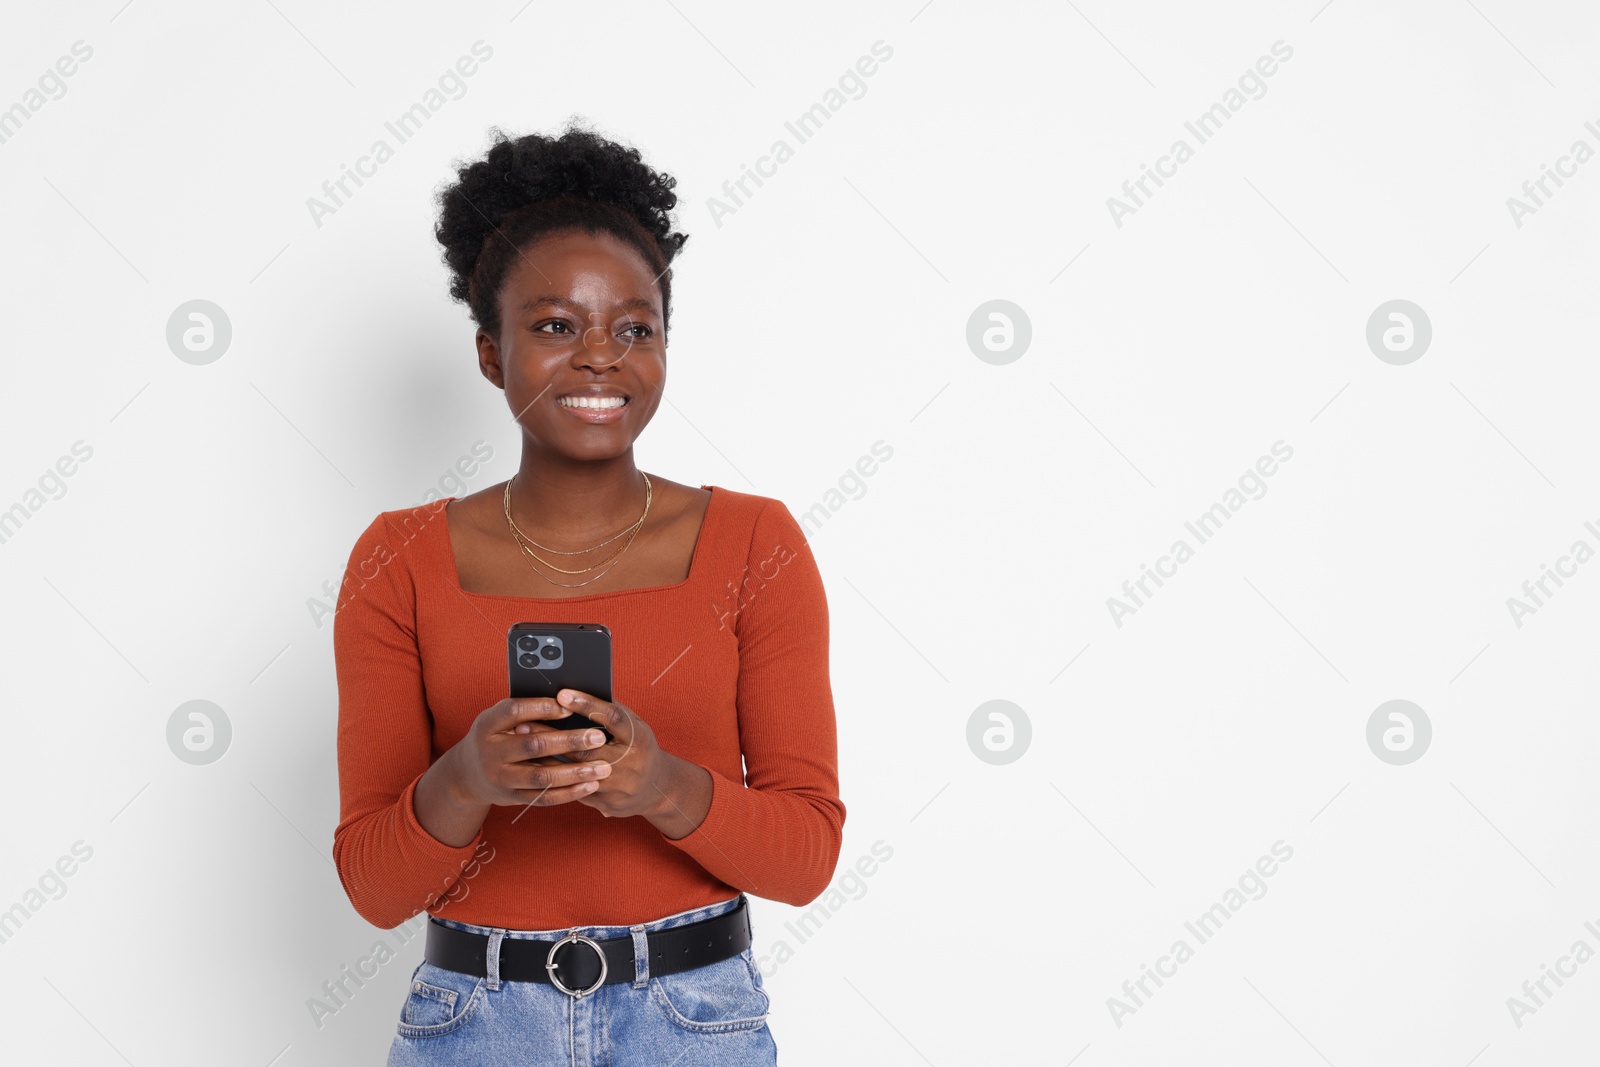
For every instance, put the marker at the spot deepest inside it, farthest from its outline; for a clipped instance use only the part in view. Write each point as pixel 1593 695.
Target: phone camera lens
pixel 550 652
pixel 527 643
pixel 528 660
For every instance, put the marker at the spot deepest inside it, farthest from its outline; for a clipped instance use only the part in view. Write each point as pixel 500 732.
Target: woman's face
pixel 580 317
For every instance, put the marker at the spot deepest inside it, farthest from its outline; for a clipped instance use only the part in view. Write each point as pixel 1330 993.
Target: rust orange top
pixel 730 663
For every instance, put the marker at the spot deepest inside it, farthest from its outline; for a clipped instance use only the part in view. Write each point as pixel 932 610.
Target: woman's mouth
pixel 594 408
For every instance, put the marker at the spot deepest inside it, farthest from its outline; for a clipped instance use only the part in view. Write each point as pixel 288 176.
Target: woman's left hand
pixel 669 791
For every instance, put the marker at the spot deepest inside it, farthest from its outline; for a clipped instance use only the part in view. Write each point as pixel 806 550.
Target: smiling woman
pixel 615 916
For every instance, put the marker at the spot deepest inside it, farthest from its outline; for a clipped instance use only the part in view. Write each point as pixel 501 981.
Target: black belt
pixel 579 965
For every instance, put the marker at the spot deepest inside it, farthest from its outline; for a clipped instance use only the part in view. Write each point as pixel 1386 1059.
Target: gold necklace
pixel 518 536
pixel 523 540
pixel 517 530
pixel 609 562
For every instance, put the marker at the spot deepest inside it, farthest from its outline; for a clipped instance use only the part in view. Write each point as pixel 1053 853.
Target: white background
pixel 827 313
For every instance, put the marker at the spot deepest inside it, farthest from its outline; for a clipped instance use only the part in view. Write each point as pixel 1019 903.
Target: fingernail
pixel 588 787
pixel 595 737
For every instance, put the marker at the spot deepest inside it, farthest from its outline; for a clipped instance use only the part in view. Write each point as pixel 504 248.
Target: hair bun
pixel 533 184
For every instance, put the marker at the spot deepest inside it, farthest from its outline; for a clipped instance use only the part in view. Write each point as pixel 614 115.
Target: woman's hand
pixel 672 793
pixel 503 759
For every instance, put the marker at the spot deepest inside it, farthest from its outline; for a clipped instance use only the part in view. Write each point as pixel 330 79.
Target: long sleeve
pixel 777 834
pixel 390 866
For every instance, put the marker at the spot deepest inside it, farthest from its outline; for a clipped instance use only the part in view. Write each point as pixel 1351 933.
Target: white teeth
pixel 602 403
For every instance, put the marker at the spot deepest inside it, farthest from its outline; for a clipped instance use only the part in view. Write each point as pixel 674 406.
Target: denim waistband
pixel 601 933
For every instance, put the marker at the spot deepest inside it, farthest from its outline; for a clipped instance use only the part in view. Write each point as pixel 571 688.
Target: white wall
pixel 1171 348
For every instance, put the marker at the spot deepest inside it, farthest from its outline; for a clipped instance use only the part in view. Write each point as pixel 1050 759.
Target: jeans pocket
pixel 439 1001
pixel 718 998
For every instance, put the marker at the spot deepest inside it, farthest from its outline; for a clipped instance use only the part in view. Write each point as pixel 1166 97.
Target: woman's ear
pixel 489 358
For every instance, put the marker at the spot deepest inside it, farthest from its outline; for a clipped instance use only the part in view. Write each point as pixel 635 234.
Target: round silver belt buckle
pixel 550 965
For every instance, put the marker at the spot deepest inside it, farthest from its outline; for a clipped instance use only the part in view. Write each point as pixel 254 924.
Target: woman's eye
pixel 638 326
pixel 553 322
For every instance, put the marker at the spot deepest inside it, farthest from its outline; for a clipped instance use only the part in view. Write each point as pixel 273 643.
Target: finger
pixel 550 742
pixel 613 716
pixel 538 776
pixel 553 761
pixel 611 752
pixel 535 727
pixel 529 709
pixel 546 798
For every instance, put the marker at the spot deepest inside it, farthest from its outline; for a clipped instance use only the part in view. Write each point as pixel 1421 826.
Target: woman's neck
pixel 579 506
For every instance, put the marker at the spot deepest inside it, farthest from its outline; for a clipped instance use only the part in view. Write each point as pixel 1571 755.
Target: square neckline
pixel 454 575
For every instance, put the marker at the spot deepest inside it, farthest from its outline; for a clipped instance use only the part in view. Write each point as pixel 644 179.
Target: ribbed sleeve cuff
pixel 700 842
pixel 416 844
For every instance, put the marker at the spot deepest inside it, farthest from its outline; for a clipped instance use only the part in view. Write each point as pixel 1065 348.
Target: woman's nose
pixel 596 342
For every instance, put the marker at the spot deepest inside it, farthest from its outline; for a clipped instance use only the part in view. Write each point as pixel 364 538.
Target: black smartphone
pixel 546 657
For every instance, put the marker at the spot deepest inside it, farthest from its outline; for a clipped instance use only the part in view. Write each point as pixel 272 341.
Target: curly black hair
pixel 532 186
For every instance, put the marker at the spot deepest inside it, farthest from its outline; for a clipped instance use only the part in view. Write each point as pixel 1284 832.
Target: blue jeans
pixel 712 1016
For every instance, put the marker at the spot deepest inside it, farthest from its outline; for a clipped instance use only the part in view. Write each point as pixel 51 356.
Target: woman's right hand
pixel 497 765
pixel 493 764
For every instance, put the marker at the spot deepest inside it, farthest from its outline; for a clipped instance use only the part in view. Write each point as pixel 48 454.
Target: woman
pixel 720 775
